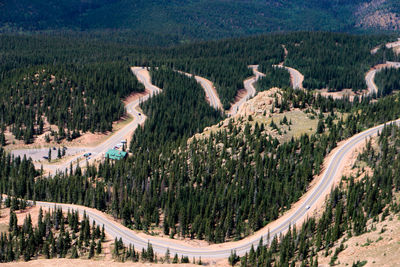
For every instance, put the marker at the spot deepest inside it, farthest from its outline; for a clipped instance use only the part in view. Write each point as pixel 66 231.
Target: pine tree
pixel 233 258
pixel 167 256
pixel 46 250
pixel 175 260
pixel 98 247
pixel 13 222
pixel 103 234
pixel 74 254
pixel 91 250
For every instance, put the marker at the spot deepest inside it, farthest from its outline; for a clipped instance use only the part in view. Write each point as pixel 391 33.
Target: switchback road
pixel 100 150
pixel 250 90
pixel 296 78
pixel 370 76
pixel 296 215
pixel 209 89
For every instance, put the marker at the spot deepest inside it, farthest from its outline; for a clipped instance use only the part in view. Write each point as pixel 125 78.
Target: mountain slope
pixel 196 19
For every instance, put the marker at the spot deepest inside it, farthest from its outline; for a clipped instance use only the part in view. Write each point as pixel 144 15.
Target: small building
pixel 115 154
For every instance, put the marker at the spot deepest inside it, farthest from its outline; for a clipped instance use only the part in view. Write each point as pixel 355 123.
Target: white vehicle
pixel 307 207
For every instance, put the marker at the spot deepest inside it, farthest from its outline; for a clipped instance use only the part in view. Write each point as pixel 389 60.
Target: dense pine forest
pixel 387 80
pixel 345 58
pixel 55 236
pixel 162 178
pixel 179 111
pixel 275 77
pixel 341 63
pixel 217 188
pixel 347 211
pixel 75 98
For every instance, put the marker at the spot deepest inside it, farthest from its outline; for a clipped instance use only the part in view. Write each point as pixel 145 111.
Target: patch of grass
pixel 366 244
pixel 360 263
pixel 300 123
pixel 3 227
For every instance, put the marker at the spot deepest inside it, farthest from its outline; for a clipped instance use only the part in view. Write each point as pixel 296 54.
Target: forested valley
pixel 214 189
pixel 345 59
pixel 179 179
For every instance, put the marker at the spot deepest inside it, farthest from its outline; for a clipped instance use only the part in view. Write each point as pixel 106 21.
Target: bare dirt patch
pixel 380 246
pixel 87 139
pixel 86 263
pixel 341 94
pixel 259 110
pixel 21 215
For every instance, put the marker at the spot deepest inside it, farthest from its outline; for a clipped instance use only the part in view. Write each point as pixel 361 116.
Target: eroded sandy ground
pixel 380 246
pixel 87 263
pixel 348 93
pixel 40 148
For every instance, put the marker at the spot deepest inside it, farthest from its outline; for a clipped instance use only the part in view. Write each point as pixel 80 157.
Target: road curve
pixel 296 215
pixel 296 78
pixel 393 44
pixel 100 150
pixel 250 90
pixel 209 89
pixel 370 75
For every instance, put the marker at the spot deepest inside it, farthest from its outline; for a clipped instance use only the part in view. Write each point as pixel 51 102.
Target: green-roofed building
pixel 115 154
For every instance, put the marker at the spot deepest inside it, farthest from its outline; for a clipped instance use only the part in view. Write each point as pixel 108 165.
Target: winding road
pixel 209 89
pixel 296 215
pixel 250 90
pixel 99 151
pixel 370 76
pixel 296 78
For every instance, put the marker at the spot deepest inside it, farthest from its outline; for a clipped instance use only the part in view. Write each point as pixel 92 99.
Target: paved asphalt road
pixel 210 92
pixel 296 77
pixel 250 89
pixel 370 76
pixel 295 216
pixel 209 89
pixel 100 150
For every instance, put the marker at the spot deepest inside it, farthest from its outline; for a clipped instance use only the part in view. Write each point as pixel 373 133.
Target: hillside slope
pixel 198 19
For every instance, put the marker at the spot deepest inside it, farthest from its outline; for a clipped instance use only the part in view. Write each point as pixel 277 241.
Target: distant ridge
pixel 200 19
